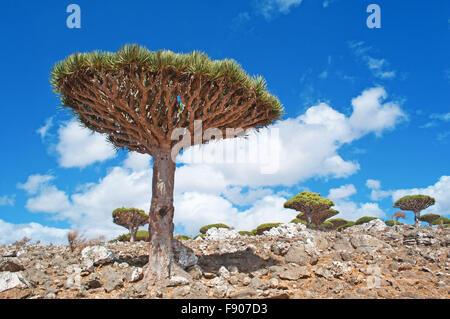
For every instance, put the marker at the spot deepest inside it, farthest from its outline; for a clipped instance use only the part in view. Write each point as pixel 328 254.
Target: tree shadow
pixel 246 261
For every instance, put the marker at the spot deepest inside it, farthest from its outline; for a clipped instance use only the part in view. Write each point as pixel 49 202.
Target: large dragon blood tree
pixel 138 98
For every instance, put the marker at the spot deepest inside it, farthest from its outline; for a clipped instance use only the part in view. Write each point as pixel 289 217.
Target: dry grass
pixel 77 241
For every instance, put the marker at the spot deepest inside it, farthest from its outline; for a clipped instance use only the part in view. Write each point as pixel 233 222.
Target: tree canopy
pixel 138 97
pixel 308 202
pixel 415 203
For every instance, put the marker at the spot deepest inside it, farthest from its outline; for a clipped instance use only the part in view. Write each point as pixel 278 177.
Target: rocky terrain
pixel 365 261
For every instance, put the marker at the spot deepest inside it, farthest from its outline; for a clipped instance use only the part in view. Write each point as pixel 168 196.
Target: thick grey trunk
pixel 417 218
pixel 161 267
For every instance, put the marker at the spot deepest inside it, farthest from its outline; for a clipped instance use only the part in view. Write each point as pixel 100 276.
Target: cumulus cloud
pixel 79 147
pixel 6 200
pixel 344 191
pixel 10 233
pixel 377 193
pixel 304 147
pixel 35 182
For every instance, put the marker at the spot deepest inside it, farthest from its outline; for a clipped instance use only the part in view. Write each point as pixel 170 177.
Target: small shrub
pixel 182 237
pixel 326 225
pixel 246 233
pixel 75 239
pixel 22 242
pixel 265 227
pixel 199 235
pixel 364 220
pixel 141 235
pixel 392 222
pixel 204 229
pixel 349 224
pixel 337 222
pixel 298 221
pixel 441 220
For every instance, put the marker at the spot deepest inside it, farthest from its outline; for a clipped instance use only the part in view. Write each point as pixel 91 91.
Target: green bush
pixel 392 222
pixel 298 221
pixel 327 225
pixel 337 222
pixel 204 229
pixel 246 233
pixel 429 218
pixel 364 220
pixel 182 237
pixel 199 235
pixel 141 235
pixel 349 224
pixel 438 221
pixel 265 227
pixel 299 216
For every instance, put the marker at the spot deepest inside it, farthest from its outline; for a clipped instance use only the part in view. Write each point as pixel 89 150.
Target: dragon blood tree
pixel 314 207
pixel 130 218
pixel 414 203
pixel 144 101
pixel 318 218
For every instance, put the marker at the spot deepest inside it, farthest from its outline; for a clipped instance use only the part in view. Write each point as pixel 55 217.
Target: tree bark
pixel 417 218
pixel 308 220
pixel 133 231
pixel 161 267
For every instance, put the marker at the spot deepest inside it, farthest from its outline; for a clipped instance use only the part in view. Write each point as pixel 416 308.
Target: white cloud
pixel 268 8
pixel 35 182
pixel 378 67
pixel 10 233
pixel 43 131
pixel 79 147
pixel 369 115
pixel 307 145
pixel 350 210
pixel 50 200
pixel 194 210
pixel 342 192
pixel 377 193
pixel 6 200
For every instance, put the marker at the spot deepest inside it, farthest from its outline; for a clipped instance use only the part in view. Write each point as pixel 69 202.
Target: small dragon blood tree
pixel 142 100
pixel 130 218
pixel 414 203
pixel 313 206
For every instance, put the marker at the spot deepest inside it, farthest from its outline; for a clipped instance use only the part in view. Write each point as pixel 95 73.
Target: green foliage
pixel 246 233
pixel 126 210
pixel 415 203
pixel 392 222
pixel 141 235
pixel 264 227
pixel 182 237
pixel 327 225
pixel 429 218
pixel 443 220
pixel 337 222
pixel 298 221
pixel 195 62
pixel 300 216
pixel 364 220
pixel 308 201
pixel 199 235
pixel 204 229
pixel 349 224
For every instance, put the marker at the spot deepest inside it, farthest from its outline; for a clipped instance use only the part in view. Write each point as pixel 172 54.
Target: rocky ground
pixel 366 261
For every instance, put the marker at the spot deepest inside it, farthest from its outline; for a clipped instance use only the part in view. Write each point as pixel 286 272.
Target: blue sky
pixel 367 111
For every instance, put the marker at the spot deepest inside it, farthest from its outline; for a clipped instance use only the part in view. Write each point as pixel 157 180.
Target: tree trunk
pixel 133 231
pixel 417 218
pixel 161 267
pixel 308 220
